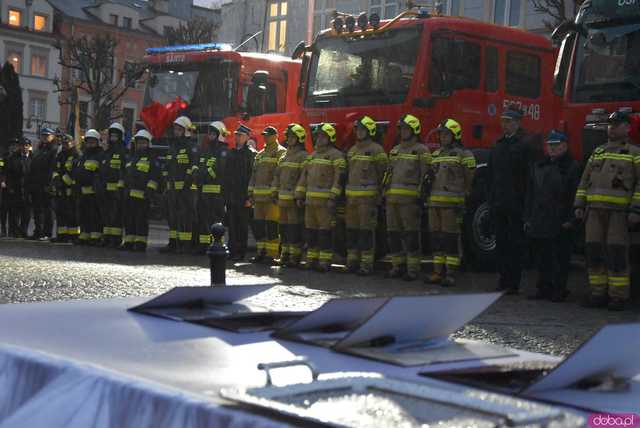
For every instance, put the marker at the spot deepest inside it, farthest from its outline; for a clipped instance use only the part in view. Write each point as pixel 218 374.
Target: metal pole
pixel 217 253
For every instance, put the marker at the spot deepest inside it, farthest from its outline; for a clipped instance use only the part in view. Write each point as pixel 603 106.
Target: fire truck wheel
pixel 479 238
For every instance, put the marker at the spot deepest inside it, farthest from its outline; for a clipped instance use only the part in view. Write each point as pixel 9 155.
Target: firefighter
pixel 608 199
pixel 179 179
pixel 408 165
pixel 507 174
pixel 111 184
pixel 141 180
pixel 265 211
pixel 236 187
pixel 37 183
pixel 366 164
pixel 285 180
pixel 86 177
pixel 64 201
pixel 208 177
pixel 450 183
pixel 317 190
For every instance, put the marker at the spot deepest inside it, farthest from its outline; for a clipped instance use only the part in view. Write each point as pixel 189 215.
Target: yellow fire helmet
pixel 369 124
pixel 412 122
pixel 298 131
pixel 330 131
pixel 452 126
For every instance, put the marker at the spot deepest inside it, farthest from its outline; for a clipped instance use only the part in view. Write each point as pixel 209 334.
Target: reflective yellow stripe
pixel 95 235
pixel 403 156
pixel 285 197
pixel 152 185
pixel 313 254
pixel 320 162
pixel 301 189
pixel 618 200
pixel 381 157
pixel 185 236
pixel 438 260
pixel 294 165
pixel 204 239
pixel 140 239
pixel 211 188
pixel 268 160
pixel 597 279
pixel 447 199
pixel 112 187
pixel 62 230
pixel 469 162
pixel 326 256
pixel 402 192
pixel 320 195
pixel 87 190
pixel 363 158
pixel 336 191
pixel 67 180
pixel 129 239
pixel 361 192
pixel 619 281
pixel 91 165
pixel 636 160
pixel 447 159
pixel 178 185
pixel 137 194
pixel 452 261
pixel 581 193
pixel 262 191
pixel 173 234
pixel 613 156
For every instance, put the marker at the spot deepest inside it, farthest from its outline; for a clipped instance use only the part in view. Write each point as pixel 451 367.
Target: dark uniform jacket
pixel 42 166
pixel 111 169
pixel 86 172
pixel 62 180
pixel 141 175
pixel 508 169
pixel 209 172
pixel 238 174
pixel 17 168
pixel 179 166
pixel 549 203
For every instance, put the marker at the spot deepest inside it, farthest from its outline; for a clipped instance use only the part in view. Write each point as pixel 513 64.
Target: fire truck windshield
pixel 208 91
pixel 608 65
pixel 357 71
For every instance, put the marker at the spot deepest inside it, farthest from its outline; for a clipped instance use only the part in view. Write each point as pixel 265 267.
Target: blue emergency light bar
pixel 191 48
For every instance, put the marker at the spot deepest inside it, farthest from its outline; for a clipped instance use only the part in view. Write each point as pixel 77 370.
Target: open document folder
pixel 220 307
pixel 401 330
pixel 601 375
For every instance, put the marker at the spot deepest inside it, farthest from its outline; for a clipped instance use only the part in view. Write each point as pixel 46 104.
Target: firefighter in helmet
pixel 86 178
pixel 141 180
pixel 265 210
pixel 178 178
pixel 608 199
pixel 318 188
pixel 366 164
pixel 409 163
pixel 285 180
pixel 451 178
pixel 64 201
pixel 208 174
pixel 111 170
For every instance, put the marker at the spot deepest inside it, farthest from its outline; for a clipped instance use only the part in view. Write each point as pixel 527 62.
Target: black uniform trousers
pixel 210 211
pixel 4 212
pixel 552 261
pixel 111 201
pixel 510 243
pixel 65 206
pixel 238 217
pixel 88 211
pixel 185 216
pixel 136 219
pixel 19 212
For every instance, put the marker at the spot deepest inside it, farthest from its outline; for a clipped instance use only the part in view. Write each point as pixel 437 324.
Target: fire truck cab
pixel 213 82
pixel 435 68
pixel 598 70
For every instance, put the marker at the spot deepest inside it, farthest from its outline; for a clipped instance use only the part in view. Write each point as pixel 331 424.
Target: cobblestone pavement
pixel 35 271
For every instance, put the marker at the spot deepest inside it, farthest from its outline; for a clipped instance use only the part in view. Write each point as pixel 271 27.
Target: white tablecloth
pixel 93 364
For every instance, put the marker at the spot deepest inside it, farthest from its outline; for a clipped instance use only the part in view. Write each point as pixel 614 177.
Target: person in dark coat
pixel 236 187
pixel 549 219
pixel 17 168
pixel 507 178
pixel 38 183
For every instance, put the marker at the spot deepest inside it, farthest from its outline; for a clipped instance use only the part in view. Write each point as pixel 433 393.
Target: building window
pixel 523 75
pixel 39 65
pixel 277 26
pixel 128 119
pixel 15 58
pixel 386 9
pixel 15 17
pixel 113 19
pixel 507 12
pixel 130 74
pixel 322 14
pixel 84 114
pixel 39 22
pixel 474 9
pixel 38 106
pixel 126 22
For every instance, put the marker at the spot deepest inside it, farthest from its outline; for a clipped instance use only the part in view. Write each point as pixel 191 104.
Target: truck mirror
pixel 299 50
pixel 565 28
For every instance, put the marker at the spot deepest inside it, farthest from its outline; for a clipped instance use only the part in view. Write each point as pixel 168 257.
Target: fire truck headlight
pixel 351 24
pixel 338 24
pixel 374 20
pixel 363 21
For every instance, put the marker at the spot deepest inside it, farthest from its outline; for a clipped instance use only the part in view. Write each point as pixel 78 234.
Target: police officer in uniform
pixel 17 168
pixel 179 179
pixel 141 180
pixel 86 177
pixel 409 163
pixel 3 209
pixel 451 178
pixel 38 183
pixel 366 165
pixel 318 188
pixel 111 170
pixel 64 201
pixel 208 175
pixel 265 211
pixel 236 188
pixel 608 199
pixel 285 180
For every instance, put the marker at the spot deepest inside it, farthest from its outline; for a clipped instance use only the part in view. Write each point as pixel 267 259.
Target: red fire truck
pixel 435 68
pixel 598 70
pixel 212 82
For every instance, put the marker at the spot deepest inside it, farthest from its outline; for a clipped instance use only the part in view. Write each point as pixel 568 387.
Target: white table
pixel 92 363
